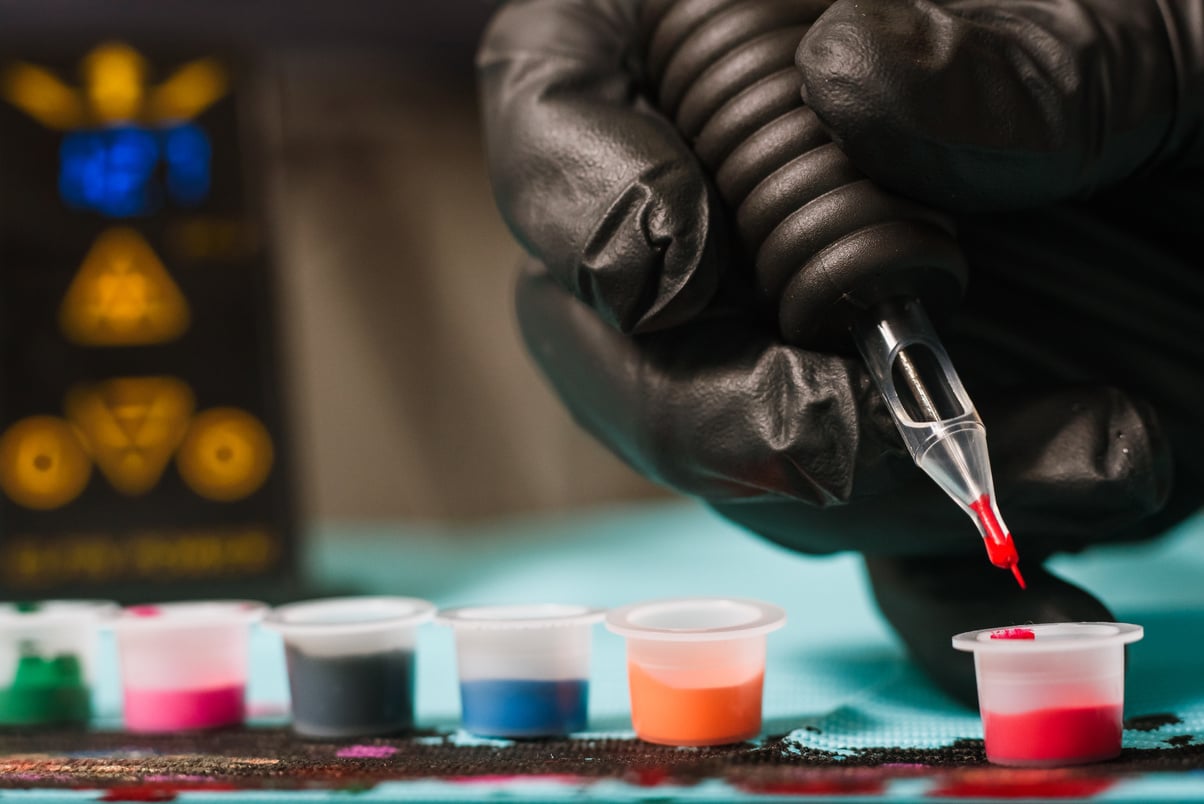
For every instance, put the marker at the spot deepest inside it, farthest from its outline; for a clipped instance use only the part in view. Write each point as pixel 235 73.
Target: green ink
pixel 45 690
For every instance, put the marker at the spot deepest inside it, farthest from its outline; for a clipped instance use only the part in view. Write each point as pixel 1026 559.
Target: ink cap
pixel 696 667
pixel 47 660
pixel 523 669
pixel 1050 694
pixel 184 665
pixel 351 663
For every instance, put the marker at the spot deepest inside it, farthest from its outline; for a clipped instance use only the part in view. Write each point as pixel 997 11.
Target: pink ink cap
pixel 184 664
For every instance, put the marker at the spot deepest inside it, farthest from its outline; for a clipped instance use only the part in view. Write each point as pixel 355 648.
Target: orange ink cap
pixel 696 667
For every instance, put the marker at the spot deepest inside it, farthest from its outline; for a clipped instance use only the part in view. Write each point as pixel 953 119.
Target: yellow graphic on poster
pixel 115 90
pixel 43 463
pixel 134 425
pixel 122 295
pixel 226 456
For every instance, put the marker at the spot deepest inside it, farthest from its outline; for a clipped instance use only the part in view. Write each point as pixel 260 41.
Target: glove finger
pixel 716 408
pixel 1073 467
pixel 593 182
pixel 1079 464
pixel 976 105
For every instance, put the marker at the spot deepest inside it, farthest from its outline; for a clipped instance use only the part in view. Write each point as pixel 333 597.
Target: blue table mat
pixel 837 679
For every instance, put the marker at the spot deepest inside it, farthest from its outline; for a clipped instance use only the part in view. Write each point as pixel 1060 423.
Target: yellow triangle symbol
pixel 133 426
pixel 122 295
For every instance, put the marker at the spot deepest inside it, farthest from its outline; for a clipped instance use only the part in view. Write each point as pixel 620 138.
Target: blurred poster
pixel 142 451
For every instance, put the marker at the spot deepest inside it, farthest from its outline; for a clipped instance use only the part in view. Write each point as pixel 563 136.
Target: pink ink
pixel 159 710
pixel 1014 633
pixel 366 752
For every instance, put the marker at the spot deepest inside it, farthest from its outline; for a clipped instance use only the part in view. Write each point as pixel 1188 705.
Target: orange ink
pixel 688 716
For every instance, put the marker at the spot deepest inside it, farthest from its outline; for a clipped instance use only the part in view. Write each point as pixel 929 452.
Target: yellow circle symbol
pixel 226 455
pixel 43 463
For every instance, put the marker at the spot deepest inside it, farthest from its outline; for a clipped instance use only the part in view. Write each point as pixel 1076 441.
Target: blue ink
pixel 514 708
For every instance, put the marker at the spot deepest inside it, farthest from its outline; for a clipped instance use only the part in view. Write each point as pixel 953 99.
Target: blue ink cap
pixel 524 669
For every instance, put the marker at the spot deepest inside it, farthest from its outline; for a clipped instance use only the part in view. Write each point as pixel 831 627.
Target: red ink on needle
pixel 934 414
pixel 1000 547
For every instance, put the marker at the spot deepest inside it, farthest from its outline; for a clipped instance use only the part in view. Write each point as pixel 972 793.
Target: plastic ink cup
pixel 695 667
pixel 351 663
pixel 1051 694
pixel 184 665
pixel 524 670
pixel 47 651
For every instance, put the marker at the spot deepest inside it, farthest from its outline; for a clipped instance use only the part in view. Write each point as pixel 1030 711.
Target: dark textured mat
pixel 137 767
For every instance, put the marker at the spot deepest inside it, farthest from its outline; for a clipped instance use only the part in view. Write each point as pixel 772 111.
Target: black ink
pixel 351 696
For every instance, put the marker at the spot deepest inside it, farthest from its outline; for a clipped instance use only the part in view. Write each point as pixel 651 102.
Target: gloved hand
pixel 1063 136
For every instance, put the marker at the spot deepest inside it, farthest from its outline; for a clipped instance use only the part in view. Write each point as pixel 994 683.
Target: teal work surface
pixel 838 687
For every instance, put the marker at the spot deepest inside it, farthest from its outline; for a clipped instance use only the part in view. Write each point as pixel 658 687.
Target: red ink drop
pixel 1000 547
pixel 144 611
pixel 1014 633
pixel 1070 734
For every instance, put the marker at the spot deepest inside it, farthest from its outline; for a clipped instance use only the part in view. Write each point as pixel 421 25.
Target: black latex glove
pixel 1080 339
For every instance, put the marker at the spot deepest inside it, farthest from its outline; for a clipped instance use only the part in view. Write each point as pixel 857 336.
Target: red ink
pixel 1044 784
pixel 144 611
pixel 648 777
pixel 171 710
pixel 1014 633
pixel 1064 735
pixel 161 791
pixel 831 786
pixel 1000 547
pixel 142 793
